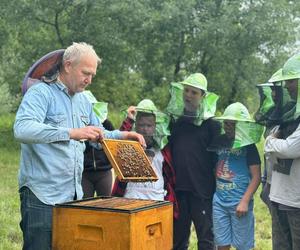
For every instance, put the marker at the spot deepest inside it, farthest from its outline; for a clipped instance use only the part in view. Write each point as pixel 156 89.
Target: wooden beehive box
pixel 129 160
pixel 113 223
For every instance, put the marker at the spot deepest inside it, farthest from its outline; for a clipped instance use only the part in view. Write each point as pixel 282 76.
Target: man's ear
pixel 67 66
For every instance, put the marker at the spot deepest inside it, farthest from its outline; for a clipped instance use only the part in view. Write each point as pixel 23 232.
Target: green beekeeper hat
pixel 276 77
pixel 247 131
pixel 291 69
pixel 196 80
pixel 99 108
pixel 162 121
pixel 146 106
pixel 236 112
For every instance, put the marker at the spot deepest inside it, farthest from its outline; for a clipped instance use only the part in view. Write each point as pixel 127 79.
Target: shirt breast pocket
pixel 85 121
pixel 56 120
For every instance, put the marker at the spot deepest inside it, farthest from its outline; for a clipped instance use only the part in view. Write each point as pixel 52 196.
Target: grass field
pixel 10 234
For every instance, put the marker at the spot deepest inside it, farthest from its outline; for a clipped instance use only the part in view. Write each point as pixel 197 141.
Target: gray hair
pixel 74 52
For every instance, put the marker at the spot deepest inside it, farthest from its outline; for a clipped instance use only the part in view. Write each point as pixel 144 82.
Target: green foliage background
pixel 145 45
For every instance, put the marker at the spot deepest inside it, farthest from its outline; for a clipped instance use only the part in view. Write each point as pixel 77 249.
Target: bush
pixel 7 140
pixel 8 102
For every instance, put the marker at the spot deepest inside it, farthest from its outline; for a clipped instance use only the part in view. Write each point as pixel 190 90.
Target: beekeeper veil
pixel 238 129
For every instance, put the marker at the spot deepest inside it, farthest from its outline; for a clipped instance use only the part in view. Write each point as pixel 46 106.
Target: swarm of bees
pixel 131 162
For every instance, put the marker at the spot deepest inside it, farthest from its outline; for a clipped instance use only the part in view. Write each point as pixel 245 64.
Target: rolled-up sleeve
pixel 115 134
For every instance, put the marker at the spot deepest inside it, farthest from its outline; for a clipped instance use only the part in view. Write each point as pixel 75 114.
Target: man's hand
pixel 134 136
pixel 90 133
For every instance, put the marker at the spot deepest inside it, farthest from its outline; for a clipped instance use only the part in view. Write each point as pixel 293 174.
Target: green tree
pixel 145 45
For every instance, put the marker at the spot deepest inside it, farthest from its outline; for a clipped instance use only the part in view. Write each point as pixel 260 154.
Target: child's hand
pixel 131 112
pixel 242 208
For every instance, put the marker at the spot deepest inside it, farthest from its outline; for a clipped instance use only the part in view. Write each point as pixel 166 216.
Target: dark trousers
pixel 36 222
pixel 285 228
pixel 96 181
pixel 196 210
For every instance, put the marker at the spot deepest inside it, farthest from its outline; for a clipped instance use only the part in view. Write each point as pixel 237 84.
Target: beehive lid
pixel 129 160
pixel 114 204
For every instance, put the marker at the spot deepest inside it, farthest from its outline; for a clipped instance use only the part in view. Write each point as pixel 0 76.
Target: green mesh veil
pixel 286 108
pixel 99 108
pixel 290 71
pixel 292 107
pixel 161 120
pixel 267 104
pixel 245 130
pixel 247 133
pixel 175 107
pixel 161 130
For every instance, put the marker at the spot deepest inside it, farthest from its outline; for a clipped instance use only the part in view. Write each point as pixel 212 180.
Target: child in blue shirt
pixel 237 179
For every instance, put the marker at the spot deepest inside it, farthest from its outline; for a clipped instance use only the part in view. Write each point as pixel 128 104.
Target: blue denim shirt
pixel 51 163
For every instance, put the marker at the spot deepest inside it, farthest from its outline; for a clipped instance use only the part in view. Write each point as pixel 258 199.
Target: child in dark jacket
pixel 97 174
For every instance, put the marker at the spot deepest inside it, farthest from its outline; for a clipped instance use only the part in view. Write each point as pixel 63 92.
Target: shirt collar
pixel 61 86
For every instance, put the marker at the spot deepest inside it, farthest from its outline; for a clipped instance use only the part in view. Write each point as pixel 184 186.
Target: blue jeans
pixel 36 221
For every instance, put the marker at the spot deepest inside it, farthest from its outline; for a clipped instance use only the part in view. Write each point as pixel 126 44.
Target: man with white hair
pixel 52 123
